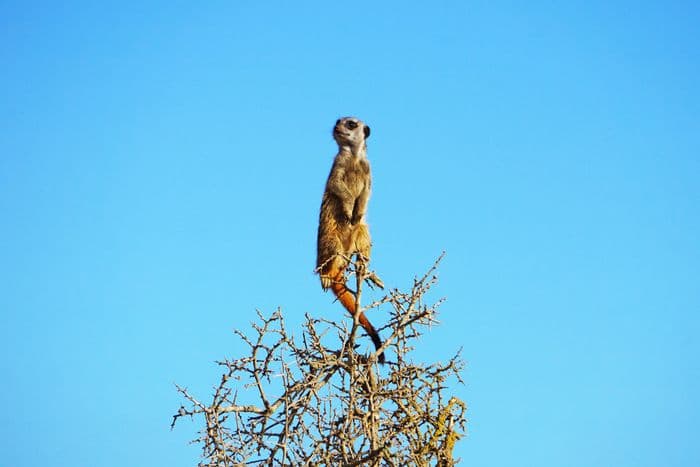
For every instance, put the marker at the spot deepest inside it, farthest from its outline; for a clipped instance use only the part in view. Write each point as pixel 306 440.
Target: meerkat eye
pixel 351 125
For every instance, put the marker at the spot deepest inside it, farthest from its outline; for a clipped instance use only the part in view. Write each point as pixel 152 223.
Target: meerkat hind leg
pixel 332 271
pixel 362 246
pixel 361 243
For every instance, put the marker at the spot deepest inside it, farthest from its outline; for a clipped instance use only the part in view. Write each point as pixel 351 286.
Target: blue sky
pixel 161 168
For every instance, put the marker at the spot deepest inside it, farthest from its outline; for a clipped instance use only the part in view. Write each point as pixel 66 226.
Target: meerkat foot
pixel 362 262
pixel 326 282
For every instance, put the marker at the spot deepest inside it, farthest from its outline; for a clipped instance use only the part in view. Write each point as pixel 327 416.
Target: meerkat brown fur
pixel 342 231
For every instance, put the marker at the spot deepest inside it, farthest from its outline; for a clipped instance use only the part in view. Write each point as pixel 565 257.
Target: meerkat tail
pixel 348 300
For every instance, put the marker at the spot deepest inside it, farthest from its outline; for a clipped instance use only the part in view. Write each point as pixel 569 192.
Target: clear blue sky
pixel 161 168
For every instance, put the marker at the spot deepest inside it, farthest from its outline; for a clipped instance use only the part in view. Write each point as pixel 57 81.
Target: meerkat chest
pixel 356 175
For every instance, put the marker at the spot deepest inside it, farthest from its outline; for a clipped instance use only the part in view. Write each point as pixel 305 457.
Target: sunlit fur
pixel 342 230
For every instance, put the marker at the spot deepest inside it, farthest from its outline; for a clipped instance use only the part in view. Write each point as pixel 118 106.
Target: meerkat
pixel 342 230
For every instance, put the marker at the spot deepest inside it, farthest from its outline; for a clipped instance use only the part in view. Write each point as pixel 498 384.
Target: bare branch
pixel 300 402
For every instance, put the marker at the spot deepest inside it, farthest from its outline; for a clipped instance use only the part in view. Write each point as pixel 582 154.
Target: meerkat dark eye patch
pixel 366 132
pixel 350 125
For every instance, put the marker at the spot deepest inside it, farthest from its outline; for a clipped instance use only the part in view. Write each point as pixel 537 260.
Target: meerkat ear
pixel 366 132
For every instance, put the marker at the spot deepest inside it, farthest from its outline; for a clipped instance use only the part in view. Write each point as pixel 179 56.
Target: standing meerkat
pixel 342 231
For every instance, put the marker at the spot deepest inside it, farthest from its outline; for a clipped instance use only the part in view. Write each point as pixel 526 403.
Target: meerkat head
pixel 350 131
